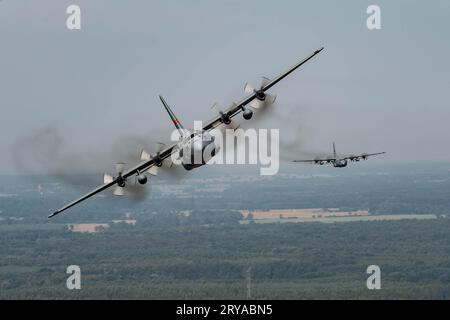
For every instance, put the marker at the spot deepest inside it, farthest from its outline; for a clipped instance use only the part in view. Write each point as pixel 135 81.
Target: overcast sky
pixel 384 90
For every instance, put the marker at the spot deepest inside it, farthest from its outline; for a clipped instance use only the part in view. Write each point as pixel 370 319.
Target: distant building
pixel 88 227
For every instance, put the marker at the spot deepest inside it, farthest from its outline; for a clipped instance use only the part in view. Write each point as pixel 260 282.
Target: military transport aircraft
pixel 191 141
pixel 339 162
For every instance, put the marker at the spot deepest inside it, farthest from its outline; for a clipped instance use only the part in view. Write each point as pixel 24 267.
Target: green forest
pixel 283 261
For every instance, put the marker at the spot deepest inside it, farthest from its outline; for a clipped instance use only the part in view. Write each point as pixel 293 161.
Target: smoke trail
pixel 294 131
pixel 46 152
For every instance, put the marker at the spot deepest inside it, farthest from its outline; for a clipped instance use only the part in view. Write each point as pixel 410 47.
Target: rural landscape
pixel 303 244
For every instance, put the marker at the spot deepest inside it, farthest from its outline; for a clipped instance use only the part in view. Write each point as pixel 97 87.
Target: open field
pixel 339 219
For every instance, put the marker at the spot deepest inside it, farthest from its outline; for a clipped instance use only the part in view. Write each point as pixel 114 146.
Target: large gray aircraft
pixel 340 162
pixel 190 143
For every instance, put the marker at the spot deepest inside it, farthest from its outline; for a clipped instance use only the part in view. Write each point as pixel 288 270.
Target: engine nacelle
pixel 142 178
pixel 198 151
pixel 247 114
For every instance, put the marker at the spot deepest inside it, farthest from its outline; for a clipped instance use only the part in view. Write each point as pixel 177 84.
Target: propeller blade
pixel 153 170
pixel 167 163
pixel 233 125
pixel 120 166
pixel 145 155
pixel 248 88
pixel 270 99
pixel 119 191
pixel 160 147
pixel 107 178
pixel 264 82
pixel 256 104
pixel 215 108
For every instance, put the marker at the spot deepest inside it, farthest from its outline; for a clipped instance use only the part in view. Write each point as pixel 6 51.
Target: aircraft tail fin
pixel 172 116
pixel 334 150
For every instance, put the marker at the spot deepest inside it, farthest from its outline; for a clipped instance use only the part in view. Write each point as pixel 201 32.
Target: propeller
pixel 133 189
pixel 166 163
pixel 225 118
pixel 107 178
pixel 262 99
pixel 317 160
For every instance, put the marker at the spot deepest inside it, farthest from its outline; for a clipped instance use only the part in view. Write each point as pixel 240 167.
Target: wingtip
pixel 53 214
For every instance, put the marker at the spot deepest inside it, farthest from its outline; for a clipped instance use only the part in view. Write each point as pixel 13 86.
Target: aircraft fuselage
pixel 340 163
pixel 197 151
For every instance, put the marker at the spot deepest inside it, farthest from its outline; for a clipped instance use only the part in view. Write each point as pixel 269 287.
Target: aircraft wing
pixel 361 156
pixel 317 160
pixel 88 195
pixel 142 167
pixel 238 107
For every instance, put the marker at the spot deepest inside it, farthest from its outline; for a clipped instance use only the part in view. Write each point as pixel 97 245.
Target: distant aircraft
pixel 340 162
pixel 196 142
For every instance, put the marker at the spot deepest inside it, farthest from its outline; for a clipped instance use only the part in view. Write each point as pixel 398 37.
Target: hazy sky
pixel 384 90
